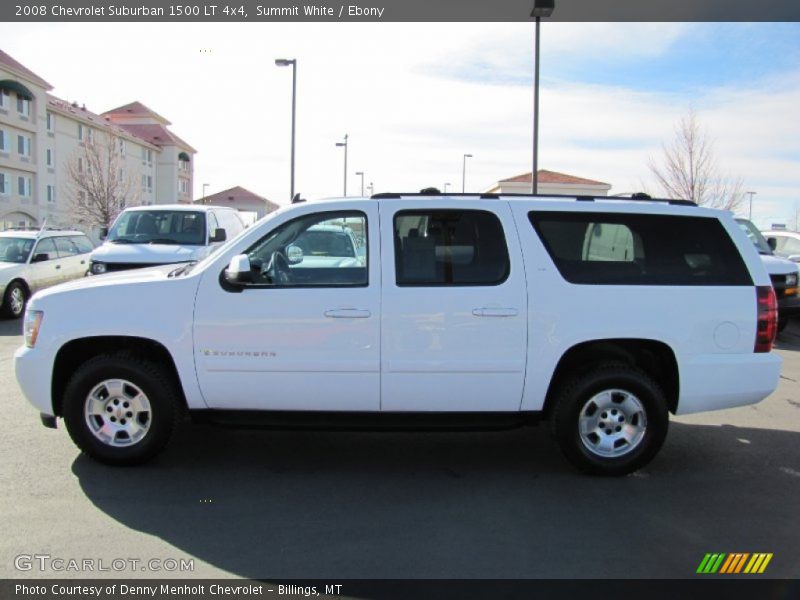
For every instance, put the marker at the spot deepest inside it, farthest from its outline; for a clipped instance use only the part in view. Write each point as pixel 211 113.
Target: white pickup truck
pixel 600 315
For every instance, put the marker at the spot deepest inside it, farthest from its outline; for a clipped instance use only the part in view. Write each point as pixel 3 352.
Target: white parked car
pixel 600 315
pixel 146 236
pixel 786 243
pixel 33 260
pixel 782 272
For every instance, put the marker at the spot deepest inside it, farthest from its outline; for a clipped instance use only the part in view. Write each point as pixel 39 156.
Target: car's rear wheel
pixel 611 420
pixel 14 300
pixel 120 409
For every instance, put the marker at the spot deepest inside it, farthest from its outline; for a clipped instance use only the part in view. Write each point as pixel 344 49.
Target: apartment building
pixel 41 135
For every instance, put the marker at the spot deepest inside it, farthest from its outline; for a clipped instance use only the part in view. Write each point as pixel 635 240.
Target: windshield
pixel 186 228
pixel 755 236
pixel 15 250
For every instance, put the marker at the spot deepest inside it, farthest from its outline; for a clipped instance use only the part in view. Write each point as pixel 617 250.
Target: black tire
pixel 158 422
pixel 9 311
pixel 623 382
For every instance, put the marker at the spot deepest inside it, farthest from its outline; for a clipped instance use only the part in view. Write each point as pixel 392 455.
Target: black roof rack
pixel 639 197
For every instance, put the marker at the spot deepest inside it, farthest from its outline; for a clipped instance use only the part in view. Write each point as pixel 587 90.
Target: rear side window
pixel 622 249
pixel 449 247
pixel 83 243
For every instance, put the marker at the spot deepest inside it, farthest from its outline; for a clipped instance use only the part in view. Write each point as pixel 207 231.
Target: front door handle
pixel 58 266
pixel 495 312
pixel 347 313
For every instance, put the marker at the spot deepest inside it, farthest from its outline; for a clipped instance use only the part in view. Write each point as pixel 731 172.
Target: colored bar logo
pixel 734 563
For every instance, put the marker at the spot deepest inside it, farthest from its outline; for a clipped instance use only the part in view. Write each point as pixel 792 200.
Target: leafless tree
pixel 99 183
pixel 688 169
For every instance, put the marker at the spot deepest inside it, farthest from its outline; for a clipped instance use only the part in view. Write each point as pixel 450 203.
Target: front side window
pixel 65 247
pixel 180 227
pixel 45 250
pixel 449 247
pixel 638 249
pixel 322 249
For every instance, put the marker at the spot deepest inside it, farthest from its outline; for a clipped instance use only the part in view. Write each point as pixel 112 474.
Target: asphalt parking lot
pixel 407 505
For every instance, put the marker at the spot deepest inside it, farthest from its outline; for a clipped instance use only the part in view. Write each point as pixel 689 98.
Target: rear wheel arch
pixel 654 358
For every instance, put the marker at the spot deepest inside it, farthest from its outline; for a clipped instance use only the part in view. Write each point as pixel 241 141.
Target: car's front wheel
pixel 611 420
pixel 14 300
pixel 120 409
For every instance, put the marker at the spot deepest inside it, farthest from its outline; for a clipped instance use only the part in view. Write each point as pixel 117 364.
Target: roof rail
pixel 638 197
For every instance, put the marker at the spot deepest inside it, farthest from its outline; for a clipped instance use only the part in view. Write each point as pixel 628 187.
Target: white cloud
pixel 409 125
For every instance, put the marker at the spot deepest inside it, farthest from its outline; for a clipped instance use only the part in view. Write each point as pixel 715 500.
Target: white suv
pixel 600 315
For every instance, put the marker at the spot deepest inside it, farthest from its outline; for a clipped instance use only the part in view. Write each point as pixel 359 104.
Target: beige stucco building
pixel 41 134
pixel 551 182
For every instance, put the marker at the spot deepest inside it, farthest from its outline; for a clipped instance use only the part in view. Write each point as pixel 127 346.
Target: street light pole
pixel 750 214
pixel 283 62
pixel 362 181
pixel 371 188
pixel 203 200
pixel 344 144
pixel 541 8
pixel 464 172
pixel 445 187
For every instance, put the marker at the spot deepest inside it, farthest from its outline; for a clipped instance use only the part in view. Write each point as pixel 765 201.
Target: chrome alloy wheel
pixel 612 423
pixel 117 413
pixel 17 301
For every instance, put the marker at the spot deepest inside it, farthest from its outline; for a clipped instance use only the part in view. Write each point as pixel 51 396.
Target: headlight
pixel 33 320
pixel 791 280
pixel 98 268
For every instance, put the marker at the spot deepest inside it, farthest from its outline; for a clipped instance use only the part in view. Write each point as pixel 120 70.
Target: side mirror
pixel 40 257
pixel 794 258
pixel 294 255
pixel 103 233
pixel 219 235
pixel 772 243
pixel 238 271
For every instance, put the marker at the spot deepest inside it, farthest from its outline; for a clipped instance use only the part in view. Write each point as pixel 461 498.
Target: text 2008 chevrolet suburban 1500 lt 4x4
pixel 600 315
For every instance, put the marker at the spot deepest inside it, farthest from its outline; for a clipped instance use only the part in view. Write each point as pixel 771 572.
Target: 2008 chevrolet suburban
pixel 600 315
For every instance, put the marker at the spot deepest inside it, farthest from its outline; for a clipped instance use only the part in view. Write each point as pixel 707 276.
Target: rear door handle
pixel 495 312
pixel 347 313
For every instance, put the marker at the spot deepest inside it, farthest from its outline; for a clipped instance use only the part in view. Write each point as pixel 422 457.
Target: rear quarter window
pixel 622 249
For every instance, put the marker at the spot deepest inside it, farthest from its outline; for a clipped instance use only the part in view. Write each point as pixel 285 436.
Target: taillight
pixel 767 322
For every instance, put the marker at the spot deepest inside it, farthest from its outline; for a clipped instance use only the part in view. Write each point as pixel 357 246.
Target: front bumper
pixel 32 368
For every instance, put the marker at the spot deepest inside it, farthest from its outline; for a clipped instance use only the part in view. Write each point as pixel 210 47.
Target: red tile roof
pixel 12 64
pixel 80 113
pixel 236 193
pixel 552 177
pixel 135 108
pixel 156 134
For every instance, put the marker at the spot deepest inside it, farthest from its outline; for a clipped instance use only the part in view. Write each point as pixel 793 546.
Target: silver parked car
pixel 32 260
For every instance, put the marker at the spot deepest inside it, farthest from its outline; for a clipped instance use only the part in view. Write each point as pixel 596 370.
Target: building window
pixel 3 142
pixel 80 165
pixel 147 183
pixel 183 186
pixel 147 156
pixel 122 146
pixel 4 184
pixel 23 107
pixel 5 99
pixel 51 193
pixel 51 122
pixel 24 186
pixel 23 145
pixel 49 157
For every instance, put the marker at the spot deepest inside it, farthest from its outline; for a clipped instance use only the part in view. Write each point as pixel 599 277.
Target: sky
pixel 415 97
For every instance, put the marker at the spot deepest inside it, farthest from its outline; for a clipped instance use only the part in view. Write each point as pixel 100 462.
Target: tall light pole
pixel 344 145
pixel 750 214
pixel 541 8
pixel 284 62
pixel 445 187
pixel 205 185
pixel 362 181
pixel 464 172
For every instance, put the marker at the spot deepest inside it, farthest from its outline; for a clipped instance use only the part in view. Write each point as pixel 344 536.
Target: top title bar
pixel 398 10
